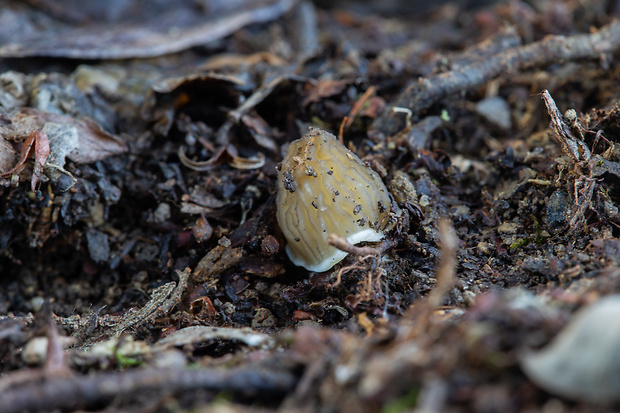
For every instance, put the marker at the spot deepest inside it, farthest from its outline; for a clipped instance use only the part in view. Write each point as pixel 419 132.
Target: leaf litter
pixel 148 232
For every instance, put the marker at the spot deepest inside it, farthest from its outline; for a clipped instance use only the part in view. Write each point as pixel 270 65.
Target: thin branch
pixel 56 358
pixel 446 267
pixel 71 392
pixel 572 145
pixel 445 273
pixel 552 49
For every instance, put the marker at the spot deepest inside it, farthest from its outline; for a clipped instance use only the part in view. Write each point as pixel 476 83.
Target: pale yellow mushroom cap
pixel 323 189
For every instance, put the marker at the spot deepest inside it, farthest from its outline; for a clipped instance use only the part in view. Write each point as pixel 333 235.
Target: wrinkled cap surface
pixel 323 189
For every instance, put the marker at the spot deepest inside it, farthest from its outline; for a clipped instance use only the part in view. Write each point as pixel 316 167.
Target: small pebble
pixel 495 110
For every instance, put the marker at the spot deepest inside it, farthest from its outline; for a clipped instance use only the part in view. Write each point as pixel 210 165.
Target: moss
pixel 520 243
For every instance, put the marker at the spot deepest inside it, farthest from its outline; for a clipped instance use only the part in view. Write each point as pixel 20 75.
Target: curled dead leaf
pixel 41 153
pixel 35 145
pixel 260 131
pixel 149 37
pixel 239 162
pixel 215 160
pixel 94 144
pixel 226 154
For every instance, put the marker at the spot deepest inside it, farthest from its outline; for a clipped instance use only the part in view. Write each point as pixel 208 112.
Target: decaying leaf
pixel 262 266
pixel 325 88
pixel 260 131
pixel 63 140
pixel 226 154
pixel 94 144
pixel 240 162
pixel 51 138
pixel 36 145
pixel 150 37
pixel 41 153
pixel 218 260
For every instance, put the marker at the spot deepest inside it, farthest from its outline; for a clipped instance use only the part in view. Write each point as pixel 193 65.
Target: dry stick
pixel 553 49
pixel 357 107
pixel 55 364
pixel 506 38
pixel 69 393
pixel 446 267
pixel 578 152
pixel 572 146
pixel 445 273
pixel 343 245
pixel 55 360
pixel 362 252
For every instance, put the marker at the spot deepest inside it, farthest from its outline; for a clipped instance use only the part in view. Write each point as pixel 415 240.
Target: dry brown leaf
pixel 151 36
pixel 41 153
pixel 324 89
pixel 226 153
pixel 94 143
pixel 35 145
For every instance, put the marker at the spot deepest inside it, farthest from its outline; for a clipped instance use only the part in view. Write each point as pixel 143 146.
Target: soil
pixel 142 267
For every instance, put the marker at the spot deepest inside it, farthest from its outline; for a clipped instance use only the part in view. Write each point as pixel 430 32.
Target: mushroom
pixel 323 189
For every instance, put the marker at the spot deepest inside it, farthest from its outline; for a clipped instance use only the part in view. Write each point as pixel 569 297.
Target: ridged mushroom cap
pixel 323 189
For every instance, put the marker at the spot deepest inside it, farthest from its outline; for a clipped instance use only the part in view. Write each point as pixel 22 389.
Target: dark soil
pixel 155 209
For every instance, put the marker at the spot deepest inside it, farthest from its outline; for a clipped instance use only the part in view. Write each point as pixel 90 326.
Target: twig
pixel 55 360
pixel 70 392
pixel 362 253
pixel 343 245
pixel 373 272
pixel 446 279
pixel 583 186
pixel 357 107
pixel 506 38
pixel 55 364
pixel 426 91
pixel 568 133
pixel 572 145
pixel 446 268
pixel 163 300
